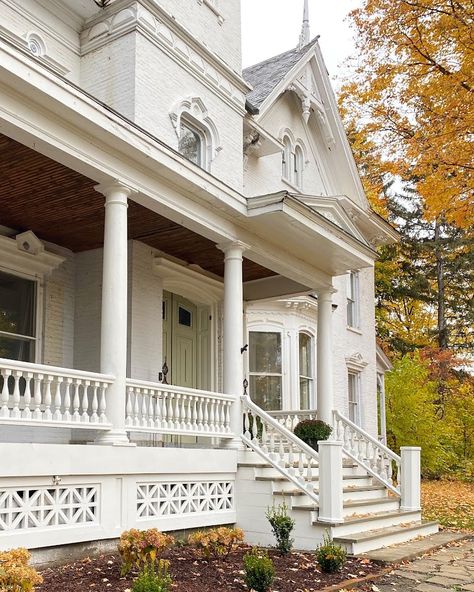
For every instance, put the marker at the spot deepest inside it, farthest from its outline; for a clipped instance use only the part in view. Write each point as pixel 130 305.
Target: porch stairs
pixel 276 468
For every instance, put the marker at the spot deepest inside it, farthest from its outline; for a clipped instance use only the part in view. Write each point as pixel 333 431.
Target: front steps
pixel 372 515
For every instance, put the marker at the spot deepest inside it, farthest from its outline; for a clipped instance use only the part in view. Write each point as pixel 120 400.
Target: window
pixel 185 317
pixel 17 318
pixel 354 396
pixel 286 158
pixel 353 299
pixel 192 144
pixel 306 370
pixel 298 168
pixel 265 369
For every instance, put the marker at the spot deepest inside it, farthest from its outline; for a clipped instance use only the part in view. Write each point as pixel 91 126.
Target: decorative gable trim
pixel 356 362
pixel 26 254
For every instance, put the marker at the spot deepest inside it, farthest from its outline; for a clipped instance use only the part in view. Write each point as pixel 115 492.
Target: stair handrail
pixel 373 456
pixel 256 437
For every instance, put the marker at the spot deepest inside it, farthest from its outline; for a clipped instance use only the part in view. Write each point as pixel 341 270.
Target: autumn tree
pixel 411 94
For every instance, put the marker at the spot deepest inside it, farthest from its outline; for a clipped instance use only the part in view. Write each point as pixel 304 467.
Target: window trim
pixel 280 374
pixel 356 404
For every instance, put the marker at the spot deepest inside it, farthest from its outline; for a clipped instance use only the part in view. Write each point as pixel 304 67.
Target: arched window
pixel 306 371
pixel 298 167
pixel 192 143
pixel 286 158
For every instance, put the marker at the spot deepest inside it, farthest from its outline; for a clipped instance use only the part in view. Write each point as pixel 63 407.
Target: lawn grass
pixel 451 503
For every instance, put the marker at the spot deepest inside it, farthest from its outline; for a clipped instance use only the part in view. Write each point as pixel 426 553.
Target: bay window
pixel 265 369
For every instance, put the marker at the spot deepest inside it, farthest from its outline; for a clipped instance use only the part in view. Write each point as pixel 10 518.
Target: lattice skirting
pixel 28 508
pixel 155 500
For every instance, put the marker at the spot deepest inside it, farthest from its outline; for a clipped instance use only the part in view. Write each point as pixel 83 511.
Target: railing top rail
pixel 55 370
pixel 366 435
pixel 279 427
pixel 182 390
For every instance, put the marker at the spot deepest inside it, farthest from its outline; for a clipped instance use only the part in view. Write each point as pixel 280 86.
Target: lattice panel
pixel 177 499
pixel 43 507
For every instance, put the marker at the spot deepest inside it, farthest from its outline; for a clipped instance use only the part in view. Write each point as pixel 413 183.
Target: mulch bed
pixel 296 572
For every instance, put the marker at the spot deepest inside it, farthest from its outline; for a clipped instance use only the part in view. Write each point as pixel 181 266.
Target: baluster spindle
pixel 47 399
pixel 247 433
pixel 129 407
pixel 15 413
pixel 67 400
pixel 85 401
pixel 194 412
pixel 76 400
pixel 4 411
pixel 57 403
pixel 26 413
pixel 206 415
pixel 103 403
pixel 136 407
pixel 95 403
pixel 144 409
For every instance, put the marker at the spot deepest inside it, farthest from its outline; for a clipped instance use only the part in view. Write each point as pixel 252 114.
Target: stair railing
pixel 373 456
pixel 279 447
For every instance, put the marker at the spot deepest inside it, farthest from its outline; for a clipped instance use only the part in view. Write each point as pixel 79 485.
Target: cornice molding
pixel 25 253
pixel 137 15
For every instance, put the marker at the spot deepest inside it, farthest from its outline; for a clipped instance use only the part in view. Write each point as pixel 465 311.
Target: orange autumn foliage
pixel 409 103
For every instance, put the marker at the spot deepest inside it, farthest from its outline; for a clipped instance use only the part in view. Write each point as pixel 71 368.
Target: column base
pixel 235 444
pixel 113 438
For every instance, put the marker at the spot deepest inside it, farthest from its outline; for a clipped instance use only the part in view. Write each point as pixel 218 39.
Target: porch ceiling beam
pixel 275 286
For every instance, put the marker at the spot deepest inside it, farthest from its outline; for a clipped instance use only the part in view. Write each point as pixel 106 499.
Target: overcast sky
pixel 270 27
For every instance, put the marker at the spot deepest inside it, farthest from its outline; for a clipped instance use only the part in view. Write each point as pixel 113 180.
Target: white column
pixel 325 395
pixel 233 332
pixel 113 346
pixel 330 482
pixel 410 486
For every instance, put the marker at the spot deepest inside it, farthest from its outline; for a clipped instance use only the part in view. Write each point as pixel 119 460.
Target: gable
pixel 307 79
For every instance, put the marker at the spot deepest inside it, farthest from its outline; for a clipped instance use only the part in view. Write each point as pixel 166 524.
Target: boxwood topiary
pixel 312 430
pixel 330 556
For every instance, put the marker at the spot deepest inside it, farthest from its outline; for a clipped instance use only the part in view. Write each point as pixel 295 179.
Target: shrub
pixel 216 543
pixel 139 548
pixel 312 430
pixel 15 573
pixel 282 526
pixel 330 556
pixel 153 578
pixel 259 570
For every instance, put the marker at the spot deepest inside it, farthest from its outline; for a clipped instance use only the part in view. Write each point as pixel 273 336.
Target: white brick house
pixel 235 244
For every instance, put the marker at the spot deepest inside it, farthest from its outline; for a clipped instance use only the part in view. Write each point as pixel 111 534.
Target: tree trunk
pixel 442 329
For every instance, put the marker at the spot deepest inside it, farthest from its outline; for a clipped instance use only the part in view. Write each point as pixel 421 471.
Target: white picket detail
pixel 279 447
pixel 47 395
pixel 378 460
pixel 169 409
pixel 290 419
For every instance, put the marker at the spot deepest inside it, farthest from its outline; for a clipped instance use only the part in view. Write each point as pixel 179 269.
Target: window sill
pixel 290 184
pixel 354 330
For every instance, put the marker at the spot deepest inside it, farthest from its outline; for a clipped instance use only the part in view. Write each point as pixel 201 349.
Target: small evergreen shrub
pixel 153 578
pixel 216 543
pixel 282 527
pixel 330 556
pixel 312 430
pixel 140 548
pixel 259 570
pixel 15 573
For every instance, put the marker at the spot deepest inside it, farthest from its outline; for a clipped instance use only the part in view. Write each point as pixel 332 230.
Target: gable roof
pixel 265 76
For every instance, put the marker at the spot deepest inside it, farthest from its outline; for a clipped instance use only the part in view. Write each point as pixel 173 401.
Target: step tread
pixel 384 532
pixel 349 504
pixel 265 465
pixel 315 478
pixel 373 517
pixel 354 489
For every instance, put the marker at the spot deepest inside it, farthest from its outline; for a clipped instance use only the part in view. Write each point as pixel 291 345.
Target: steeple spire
pixel 305 36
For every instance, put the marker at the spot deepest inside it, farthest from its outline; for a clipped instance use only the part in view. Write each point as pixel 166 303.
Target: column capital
pixel 233 247
pixel 325 293
pixel 115 190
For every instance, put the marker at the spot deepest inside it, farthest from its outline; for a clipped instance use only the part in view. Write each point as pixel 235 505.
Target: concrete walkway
pixel 449 569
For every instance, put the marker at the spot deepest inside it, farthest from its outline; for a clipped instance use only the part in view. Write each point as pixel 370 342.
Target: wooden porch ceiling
pixel 61 206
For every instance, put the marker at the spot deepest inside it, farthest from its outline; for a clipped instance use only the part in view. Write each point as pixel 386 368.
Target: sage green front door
pixel 180 331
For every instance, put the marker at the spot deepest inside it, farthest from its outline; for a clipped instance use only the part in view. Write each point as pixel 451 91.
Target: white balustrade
pixel 169 409
pixel 40 394
pixel 290 419
pixel 279 447
pixel 378 460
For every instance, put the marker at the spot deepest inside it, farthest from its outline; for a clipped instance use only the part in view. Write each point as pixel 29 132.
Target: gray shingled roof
pixel 266 75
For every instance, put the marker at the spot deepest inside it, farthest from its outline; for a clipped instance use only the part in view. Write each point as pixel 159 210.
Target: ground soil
pixel 296 572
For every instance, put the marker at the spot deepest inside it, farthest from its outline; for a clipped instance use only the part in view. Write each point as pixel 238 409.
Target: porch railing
pixel 47 395
pixel 290 419
pixel 169 409
pixel 276 444
pixel 376 458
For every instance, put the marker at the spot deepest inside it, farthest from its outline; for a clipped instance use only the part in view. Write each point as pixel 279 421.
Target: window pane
pixel 306 367
pixel 13 348
pixel 184 317
pixel 17 305
pixel 265 391
pixel 265 352
pixel 190 144
pixel 305 393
